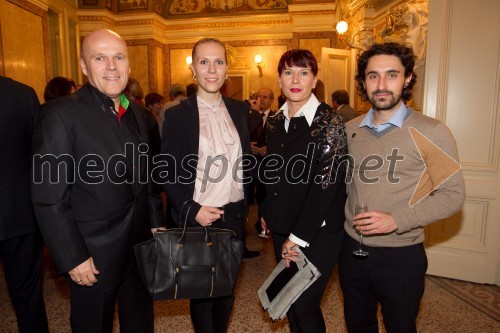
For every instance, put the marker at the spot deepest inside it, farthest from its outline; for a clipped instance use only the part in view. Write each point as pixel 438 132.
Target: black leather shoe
pixel 258 226
pixel 247 254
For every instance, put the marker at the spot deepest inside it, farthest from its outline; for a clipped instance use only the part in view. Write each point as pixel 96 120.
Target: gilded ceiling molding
pixel 39 8
pixel 104 19
pixel 43 4
pixel 300 18
pixel 153 22
pixel 238 24
pixel 314 13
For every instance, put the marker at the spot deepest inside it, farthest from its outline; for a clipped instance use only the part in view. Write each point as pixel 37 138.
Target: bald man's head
pixel 105 62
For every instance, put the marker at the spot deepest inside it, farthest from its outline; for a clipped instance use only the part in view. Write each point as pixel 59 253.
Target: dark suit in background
pixel 340 102
pixel 257 190
pixel 347 112
pixel 20 241
pixel 98 212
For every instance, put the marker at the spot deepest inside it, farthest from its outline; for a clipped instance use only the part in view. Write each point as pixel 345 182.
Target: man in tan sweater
pixel 404 166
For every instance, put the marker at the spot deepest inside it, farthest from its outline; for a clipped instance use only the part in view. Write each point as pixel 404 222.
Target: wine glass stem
pixel 360 241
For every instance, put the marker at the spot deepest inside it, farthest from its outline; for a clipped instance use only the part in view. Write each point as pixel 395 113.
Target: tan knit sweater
pixel 386 172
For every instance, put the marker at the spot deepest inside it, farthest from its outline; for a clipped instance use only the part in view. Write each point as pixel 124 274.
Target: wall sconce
pixel 260 63
pixel 189 60
pixel 341 27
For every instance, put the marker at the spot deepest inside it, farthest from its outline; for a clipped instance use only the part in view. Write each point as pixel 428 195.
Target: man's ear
pixel 83 66
pixel 407 80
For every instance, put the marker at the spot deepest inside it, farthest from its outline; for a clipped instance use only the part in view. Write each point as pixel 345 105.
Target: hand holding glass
pixel 361 207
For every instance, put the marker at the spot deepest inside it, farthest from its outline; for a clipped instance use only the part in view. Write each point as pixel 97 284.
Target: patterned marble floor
pixel 447 306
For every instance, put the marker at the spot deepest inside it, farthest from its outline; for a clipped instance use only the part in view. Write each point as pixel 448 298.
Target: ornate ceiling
pixel 171 9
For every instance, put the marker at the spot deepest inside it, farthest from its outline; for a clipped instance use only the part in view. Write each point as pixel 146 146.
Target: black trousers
pixel 22 260
pixel 393 277
pixel 93 308
pixel 211 315
pixel 260 195
pixel 305 314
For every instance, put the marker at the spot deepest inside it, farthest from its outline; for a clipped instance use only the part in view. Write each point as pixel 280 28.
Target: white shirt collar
pixel 308 110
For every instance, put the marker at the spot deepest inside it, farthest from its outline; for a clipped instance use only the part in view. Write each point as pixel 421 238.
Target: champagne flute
pixel 360 208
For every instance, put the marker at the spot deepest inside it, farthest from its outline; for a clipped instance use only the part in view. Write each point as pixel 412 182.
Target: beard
pixel 384 104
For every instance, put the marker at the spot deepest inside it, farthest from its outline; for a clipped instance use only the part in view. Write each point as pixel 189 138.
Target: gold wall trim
pixel 104 19
pixel 217 25
pixel 176 27
pixel 153 22
pixel 313 13
pixel 29 7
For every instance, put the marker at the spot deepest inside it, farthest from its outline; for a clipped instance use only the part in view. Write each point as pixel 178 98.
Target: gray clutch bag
pixel 285 285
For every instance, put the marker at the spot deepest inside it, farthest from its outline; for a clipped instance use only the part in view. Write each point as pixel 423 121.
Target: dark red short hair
pixel 299 58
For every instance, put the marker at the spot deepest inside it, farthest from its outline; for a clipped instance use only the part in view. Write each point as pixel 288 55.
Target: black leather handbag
pixel 194 262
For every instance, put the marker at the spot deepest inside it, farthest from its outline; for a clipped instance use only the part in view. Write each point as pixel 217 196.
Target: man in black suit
pixel 265 97
pixel 20 241
pixel 340 102
pixel 91 190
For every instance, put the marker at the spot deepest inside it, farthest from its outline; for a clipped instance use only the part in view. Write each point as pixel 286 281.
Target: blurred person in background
pixel 20 240
pixel 134 91
pixel 57 87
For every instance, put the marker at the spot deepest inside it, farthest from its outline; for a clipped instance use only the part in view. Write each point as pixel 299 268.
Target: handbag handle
pixel 182 238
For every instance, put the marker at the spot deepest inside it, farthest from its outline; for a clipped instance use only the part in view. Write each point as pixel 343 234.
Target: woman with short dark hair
pixel 305 207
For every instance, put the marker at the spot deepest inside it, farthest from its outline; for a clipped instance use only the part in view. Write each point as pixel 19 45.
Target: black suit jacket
pixel 180 145
pixel 254 120
pixel 17 118
pixel 89 211
pixel 301 207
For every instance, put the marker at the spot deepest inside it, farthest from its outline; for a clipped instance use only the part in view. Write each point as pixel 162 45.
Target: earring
pixel 194 77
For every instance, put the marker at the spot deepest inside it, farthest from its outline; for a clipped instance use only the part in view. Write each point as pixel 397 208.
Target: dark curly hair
pixel 403 52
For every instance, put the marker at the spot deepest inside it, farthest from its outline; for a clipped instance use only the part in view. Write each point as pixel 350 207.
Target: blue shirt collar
pixel 397 119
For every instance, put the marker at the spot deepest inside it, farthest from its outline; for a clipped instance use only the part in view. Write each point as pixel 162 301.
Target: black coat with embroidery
pixel 309 187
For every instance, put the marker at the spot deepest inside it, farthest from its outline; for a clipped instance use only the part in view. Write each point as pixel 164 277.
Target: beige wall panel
pixel 20 29
pixel 138 57
pixel 462 89
pixel 179 70
pixel 159 70
pixel 475 66
pixel 271 56
pixel 314 45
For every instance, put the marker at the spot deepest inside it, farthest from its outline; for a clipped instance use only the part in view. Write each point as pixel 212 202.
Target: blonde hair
pixel 207 40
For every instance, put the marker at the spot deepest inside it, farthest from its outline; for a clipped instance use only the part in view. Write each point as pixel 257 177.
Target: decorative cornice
pixel 225 25
pixel 39 8
pixel 314 13
pixel 104 19
pixel 151 21
pixel 39 3
pixel 311 8
pixel 300 18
